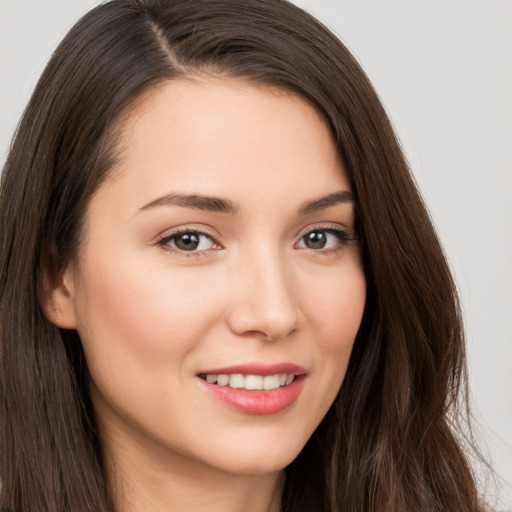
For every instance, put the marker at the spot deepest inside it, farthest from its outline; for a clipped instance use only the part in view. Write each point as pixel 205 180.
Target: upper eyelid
pixel 325 227
pixel 169 233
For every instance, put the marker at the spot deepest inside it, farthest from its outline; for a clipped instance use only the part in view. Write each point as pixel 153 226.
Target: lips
pixel 255 388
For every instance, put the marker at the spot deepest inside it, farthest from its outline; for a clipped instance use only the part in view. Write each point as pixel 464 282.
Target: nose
pixel 265 301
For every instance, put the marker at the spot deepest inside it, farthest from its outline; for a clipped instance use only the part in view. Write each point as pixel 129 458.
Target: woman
pixel 220 286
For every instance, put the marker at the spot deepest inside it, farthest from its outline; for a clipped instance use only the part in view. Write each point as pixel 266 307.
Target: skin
pixel 151 316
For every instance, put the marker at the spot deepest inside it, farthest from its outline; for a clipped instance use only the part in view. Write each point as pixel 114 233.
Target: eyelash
pixel 165 240
pixel 343 236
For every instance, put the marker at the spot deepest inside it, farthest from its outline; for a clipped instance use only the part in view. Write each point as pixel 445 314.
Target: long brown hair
pixel 389 441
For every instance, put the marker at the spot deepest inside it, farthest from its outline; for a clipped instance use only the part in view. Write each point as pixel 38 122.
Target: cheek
pixel 138 331
pixel 334 311
pixel 133 315
pixel 336 308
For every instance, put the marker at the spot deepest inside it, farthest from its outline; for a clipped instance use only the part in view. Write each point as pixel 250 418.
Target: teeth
pixel 250 382
pixel 223 380
pixel 237 380
pixel 271 382
pixel 253 382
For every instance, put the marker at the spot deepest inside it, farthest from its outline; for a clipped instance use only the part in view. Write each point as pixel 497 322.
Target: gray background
pixel 443 69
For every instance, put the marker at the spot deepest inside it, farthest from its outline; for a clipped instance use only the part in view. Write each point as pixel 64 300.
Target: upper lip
pixel 257 369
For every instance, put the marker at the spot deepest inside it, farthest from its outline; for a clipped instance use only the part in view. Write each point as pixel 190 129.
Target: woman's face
pixel 219 257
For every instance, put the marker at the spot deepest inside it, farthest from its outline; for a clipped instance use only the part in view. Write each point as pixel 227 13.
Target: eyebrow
pixel 220 205
pixel 194 201
pixel 343 196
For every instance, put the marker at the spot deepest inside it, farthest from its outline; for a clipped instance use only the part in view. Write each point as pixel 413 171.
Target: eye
pixel 324 239
pixel 189 241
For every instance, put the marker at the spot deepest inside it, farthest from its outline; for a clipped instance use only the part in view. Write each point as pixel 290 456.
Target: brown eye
pixel 315 240
pixel 189 241
pixel 322 239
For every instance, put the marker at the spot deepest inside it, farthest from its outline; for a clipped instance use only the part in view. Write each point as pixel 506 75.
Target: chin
pixel 258 458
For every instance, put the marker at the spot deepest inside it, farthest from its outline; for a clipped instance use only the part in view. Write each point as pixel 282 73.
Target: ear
pixel 60 302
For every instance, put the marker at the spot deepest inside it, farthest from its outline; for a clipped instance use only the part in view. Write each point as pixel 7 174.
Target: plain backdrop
pixel 443 69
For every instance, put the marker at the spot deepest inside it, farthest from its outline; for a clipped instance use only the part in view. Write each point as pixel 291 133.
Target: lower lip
pixel 257 402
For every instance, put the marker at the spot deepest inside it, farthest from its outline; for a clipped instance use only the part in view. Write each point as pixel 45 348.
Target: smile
pixel 250 382
pixel 255 388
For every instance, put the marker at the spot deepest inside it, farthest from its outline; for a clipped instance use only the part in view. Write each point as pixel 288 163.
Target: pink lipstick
pixel 255 388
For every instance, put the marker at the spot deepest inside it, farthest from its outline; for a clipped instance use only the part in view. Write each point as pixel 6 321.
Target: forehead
pixel 223 136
